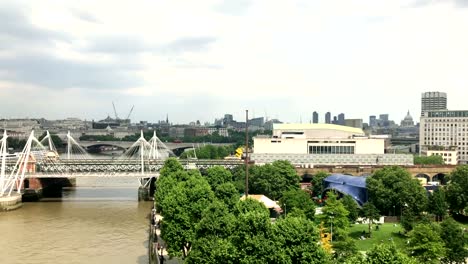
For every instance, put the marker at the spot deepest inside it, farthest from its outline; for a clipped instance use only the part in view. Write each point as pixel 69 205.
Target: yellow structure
pixel 325 239
pixel 239 152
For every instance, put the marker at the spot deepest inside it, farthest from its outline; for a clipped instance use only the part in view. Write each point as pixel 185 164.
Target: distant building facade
pixel 431 101
pixel 315 117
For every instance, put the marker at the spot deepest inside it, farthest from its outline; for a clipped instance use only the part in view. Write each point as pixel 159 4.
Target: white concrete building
pixel 445 128
pixel 324 144
pixel 450 156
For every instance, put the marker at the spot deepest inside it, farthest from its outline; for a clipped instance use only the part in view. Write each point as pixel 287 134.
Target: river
pixel 99 221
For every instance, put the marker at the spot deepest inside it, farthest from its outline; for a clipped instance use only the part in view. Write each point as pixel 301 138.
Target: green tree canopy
pixel 334 213
pixel 171 165
pixel 317 183
pixel 182 209
pixel 457 189
pixel 435 160
pixel 299 200
pixel 228 194
pixel 352 207
pixel 452 235
pixel 425 244
pixel 394 186
pixel 298 237
pixel 438 204
pixel 273 179
pixel 217 175
pixel 370 213
pixel 56 140
pixel 387 253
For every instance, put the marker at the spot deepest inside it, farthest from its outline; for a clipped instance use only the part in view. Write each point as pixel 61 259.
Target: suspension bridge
pixel 40 159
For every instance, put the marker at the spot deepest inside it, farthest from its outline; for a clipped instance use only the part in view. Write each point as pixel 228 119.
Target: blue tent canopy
pixel 355 186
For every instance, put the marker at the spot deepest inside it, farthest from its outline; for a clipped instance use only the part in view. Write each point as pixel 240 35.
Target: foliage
pixel 217 175
pixel 457 189
pixel 250 205
pixel 370 213
pixel 435 160
pixel 453 237
pixel 228 194
pixel 56 140
pixel 213 251
pixel 16 143
pixel 298 238
pixel 299 200
pixel 273 179
pixel 351 206
pixel 170 165
pixel 335 213
pixel 208 152
pixel 99 138
pixel 387 253
pixel 216 221
pixel 182 209
pixel 344 249
pixel 438 204
pixel 317 183
pixel 425 244
pixel 394 186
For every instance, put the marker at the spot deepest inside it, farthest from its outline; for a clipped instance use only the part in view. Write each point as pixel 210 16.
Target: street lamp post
pixel 394 210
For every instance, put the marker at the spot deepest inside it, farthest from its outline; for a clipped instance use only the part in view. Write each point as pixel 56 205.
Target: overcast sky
pixel 196 60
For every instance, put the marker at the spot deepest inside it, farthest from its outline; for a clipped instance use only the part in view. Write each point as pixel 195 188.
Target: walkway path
pixel 157 231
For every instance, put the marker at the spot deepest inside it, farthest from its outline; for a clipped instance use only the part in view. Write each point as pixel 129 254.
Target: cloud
pixel 191 44
pixel 85 16
pixel 423 3
pixel 57 73
pixel 17 29
pixel 135 44
pixel 236 7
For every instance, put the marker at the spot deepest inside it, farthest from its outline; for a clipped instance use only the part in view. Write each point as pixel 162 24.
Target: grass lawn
pixel 385 234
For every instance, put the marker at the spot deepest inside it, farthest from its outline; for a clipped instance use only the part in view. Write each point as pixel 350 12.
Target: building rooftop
pixel 318 127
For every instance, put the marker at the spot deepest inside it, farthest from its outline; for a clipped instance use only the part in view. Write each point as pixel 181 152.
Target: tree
pixel 298 199
pixel 213 251
pixel 253 237
pixel 425 244
pixel 352 207
pixel 387 253
pixel 435 160
pixel 394 186
pixel 370 213
pixel 216 222
pixel 273 179
pixel 218 175
pixel 171 165
pixel 317 183
pixel 228 194
pixel 452 235
pixel 56 140
pixel 437 204
pixel 457 189
pixel 335 216
pixel 298 237
pixel 183 208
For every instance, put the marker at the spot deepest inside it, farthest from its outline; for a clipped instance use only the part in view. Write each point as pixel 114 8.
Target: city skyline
pixel 198 61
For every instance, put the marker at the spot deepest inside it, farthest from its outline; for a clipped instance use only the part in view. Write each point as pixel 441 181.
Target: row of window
pixel 331 149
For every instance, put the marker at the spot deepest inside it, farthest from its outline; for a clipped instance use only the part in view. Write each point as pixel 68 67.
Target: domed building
pixel 408 121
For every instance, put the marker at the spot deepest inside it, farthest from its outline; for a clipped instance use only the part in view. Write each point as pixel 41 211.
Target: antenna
pixel 115 112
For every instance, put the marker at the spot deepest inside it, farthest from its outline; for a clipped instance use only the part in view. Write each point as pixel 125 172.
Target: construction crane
pixel 129 113
pixel 115 112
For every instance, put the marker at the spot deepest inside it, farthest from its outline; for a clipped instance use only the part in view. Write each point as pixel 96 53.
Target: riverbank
pixel 157 246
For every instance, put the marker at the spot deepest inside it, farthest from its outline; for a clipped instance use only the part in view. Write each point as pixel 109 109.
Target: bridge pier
pixel 8 203
pixel 36 188
pixel 146 189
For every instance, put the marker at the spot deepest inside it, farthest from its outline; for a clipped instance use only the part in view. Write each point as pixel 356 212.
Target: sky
pixel 197 60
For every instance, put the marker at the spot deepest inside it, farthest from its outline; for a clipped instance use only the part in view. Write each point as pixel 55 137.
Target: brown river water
pixel 99 221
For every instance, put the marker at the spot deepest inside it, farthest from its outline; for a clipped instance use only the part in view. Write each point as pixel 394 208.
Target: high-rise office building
pixel 341 119
pixel 372 121
pixel 327 118
pixel 383 117
pixel 446 132
pixel 315 117
pixel 431 101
